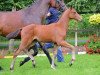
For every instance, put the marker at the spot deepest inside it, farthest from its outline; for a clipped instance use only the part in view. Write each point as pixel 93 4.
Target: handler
pixel 52 17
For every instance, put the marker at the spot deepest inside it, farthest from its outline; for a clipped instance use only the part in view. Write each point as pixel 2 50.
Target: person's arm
pixel 50 12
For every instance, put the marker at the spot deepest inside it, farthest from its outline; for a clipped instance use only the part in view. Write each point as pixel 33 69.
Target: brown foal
pixel 55 32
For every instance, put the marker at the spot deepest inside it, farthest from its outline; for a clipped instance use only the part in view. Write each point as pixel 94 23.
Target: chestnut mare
pixel 55 32
pixel 12 21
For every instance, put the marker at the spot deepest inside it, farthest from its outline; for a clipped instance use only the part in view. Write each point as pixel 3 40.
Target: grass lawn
pixel 84 65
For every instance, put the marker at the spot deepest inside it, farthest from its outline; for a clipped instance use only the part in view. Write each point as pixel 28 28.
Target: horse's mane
pixel 35 3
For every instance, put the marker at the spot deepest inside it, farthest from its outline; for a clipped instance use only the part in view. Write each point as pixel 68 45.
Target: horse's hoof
pixel 1 68
pixel 11 69
pixel 53 67
pixel 70 64
pixel 34 65
pixel 21 63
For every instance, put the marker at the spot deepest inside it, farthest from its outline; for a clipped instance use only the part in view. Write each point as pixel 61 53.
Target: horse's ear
pixel 71 7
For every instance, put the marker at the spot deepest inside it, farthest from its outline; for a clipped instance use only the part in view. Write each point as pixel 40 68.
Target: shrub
pixel 93 44
pixel 2 39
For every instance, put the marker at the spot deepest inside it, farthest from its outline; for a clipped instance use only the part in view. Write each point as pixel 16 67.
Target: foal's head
pixel 58 4
pixel 74 15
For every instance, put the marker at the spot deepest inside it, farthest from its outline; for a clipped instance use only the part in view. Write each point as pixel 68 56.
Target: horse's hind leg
pixel 14 58
pixel 32 58
pixel 25 44
pixel 28 58
pixel 54 56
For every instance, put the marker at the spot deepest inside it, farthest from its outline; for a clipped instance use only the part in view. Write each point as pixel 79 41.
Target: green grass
pixel 84 65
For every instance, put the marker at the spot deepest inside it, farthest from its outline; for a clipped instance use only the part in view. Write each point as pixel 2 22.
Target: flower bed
pixel 93 45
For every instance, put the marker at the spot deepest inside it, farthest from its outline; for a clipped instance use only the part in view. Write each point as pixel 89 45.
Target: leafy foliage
pixel 80 5
pixel 85 5
pixel 94 43
pixel 8 5
pixel 81 25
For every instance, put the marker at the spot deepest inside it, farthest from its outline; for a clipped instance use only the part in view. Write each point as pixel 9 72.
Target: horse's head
pixel 74 15
pixel 59 4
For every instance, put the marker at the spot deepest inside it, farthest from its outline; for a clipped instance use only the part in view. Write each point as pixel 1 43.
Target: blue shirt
pixel 54 17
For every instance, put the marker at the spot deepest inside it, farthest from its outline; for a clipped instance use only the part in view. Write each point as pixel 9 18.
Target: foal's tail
pixel 14 34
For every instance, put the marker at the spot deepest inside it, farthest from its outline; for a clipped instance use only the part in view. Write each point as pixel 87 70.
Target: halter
pixel 58 1
pixel 62 6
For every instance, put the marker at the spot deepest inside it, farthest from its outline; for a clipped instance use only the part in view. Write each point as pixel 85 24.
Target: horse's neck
pixel 39 6
pixel 64 20
pixel 43 8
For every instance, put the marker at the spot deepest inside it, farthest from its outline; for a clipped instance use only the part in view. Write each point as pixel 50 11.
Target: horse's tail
pixel 14 34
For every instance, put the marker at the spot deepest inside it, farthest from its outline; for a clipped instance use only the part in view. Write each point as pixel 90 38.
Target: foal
pixel 55 32
pixel 33 14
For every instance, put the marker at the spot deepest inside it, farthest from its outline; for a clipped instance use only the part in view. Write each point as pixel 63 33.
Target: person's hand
pixel 48 14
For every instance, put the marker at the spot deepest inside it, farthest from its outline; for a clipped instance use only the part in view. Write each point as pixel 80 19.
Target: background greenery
pixel 80 5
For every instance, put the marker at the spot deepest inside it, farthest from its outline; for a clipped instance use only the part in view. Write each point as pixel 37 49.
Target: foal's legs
pixel 32 58
pixel 46 52
pixel 65 44
pixel 36 52
pixel 25 44
pixel 28 58
pixel 54 56
pixel 16 54
pixel 14 58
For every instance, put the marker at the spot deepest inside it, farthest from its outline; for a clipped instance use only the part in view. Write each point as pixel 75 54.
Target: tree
pixel 85 5
pixel 7 5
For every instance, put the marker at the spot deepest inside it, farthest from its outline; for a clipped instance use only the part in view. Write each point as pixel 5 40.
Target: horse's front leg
pixel 34 47
pixel 65 44
pixel 45 50
pixel 54 57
